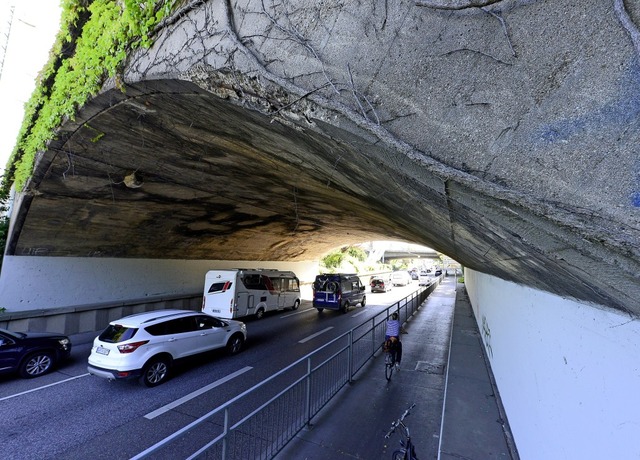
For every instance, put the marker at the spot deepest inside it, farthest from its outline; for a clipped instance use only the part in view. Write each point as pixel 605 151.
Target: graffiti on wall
pixel 486 336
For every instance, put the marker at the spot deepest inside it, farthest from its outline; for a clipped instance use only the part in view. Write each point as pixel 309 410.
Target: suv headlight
pixel 64 343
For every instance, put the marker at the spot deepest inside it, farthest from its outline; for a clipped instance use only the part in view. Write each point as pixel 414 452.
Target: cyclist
pixel 393 332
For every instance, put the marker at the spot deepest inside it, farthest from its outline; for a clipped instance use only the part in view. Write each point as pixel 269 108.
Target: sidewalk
pixel 443 372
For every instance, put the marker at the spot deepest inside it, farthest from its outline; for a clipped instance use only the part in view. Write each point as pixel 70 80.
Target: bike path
pixel 443 371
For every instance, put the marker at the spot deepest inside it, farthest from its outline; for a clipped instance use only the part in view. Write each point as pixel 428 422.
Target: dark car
pixel 32 354
pixel 380 285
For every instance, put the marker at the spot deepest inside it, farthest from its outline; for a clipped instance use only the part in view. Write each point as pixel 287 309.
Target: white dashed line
pixel 315 335
pixel 361 312
pixel 43 387
pixel 297 312
pixel 190 396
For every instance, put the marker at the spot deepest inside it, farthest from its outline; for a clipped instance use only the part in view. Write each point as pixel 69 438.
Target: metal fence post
pixel 350 360
pixel 226 433
pixel 373 336
pixel 308 402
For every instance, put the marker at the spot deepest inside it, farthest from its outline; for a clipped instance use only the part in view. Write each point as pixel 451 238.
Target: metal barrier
pixel 259 422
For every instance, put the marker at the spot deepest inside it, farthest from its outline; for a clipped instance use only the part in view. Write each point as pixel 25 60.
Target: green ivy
pixel 93 42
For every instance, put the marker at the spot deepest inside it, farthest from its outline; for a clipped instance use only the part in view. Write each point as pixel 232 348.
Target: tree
pixel 333 260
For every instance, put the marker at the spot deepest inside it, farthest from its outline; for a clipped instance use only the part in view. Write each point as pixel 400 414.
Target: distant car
pixel 438 272
pixel 145 345
pixel 424 278
pixel 414 275
pixel 380 284
pixel 31 354
pixel 400 278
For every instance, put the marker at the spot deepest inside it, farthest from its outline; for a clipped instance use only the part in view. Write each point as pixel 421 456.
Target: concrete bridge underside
pixel 503 136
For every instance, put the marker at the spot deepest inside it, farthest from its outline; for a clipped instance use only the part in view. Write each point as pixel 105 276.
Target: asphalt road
pixel 69 414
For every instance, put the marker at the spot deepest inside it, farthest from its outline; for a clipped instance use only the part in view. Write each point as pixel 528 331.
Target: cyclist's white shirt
pixel 393 328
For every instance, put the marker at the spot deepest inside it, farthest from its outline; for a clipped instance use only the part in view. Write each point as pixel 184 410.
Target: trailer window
pixel 277 283
pixel 220 286
pixel 254 282
pixel 290 285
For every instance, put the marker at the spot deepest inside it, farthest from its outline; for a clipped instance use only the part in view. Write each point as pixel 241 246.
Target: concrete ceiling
pixel 504 137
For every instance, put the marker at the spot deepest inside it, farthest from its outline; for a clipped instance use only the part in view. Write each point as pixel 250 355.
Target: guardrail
pixel 259 422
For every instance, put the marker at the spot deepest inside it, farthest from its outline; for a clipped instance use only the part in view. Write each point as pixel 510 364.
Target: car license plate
pixel 102 350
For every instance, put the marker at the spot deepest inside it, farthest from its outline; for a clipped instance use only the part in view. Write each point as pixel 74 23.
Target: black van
pixel 338 291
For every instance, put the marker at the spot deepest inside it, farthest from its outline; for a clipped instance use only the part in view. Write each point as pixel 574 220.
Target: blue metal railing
pixel 259 422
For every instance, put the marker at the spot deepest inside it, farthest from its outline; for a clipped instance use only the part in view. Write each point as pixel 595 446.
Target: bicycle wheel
pixel 398 455
pixel 388 369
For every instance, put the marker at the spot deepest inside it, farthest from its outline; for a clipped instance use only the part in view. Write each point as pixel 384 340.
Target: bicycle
pixel 390 358
pixel 407 451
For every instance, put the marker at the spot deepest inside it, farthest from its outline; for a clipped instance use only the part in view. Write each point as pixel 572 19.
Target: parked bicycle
pixel 390 350
pixel 407 451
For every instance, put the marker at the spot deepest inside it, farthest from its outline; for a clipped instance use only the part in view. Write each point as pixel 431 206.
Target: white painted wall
pixel 568 373
pixel 28 283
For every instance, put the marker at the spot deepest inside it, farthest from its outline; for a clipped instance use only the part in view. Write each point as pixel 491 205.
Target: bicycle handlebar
pixel 407 411
pixel 398 422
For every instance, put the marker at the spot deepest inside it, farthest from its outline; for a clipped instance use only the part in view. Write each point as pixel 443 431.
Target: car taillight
pixel 131 347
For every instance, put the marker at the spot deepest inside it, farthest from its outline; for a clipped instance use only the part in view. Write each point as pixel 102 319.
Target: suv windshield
pixel 115 333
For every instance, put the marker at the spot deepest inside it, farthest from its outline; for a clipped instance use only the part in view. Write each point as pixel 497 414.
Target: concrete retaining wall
pixel 567 372
pixel 71 295
pixel 87 318
pixel 42 283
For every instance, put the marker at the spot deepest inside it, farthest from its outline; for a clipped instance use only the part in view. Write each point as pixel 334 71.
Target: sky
pixel 25 46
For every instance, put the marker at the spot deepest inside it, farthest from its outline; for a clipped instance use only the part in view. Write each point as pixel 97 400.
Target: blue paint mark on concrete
pixel 609 120
pixel 618 114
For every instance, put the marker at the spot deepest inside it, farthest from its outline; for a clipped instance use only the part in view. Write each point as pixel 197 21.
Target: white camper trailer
pixel 242 292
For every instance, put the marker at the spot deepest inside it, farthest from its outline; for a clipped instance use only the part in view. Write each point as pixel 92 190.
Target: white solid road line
pixel 43 387
pixel 177 402
pixel 315 335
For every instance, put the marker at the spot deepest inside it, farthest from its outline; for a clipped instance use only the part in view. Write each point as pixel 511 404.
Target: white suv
pixel 145 345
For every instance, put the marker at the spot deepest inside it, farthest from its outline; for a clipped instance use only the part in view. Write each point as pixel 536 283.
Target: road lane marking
pixel 190 396
pixel 43 387
pixel 315 335
pixel 297 312
pixel 361 312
